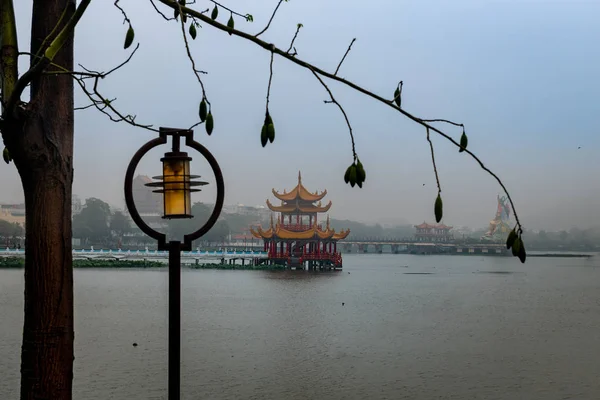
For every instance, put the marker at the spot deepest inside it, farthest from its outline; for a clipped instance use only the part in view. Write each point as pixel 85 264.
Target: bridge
pixel 146 254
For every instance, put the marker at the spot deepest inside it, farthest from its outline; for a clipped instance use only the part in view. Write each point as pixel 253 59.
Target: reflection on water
pixel 470 329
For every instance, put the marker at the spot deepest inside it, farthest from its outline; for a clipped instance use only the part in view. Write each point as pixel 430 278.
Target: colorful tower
pixel 296 239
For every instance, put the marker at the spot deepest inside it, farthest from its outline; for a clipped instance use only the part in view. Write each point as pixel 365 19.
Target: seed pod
pixel 215 12
pixel 203 110
pixel 516 246
pixel 463 142
pixel 129 37
pixel 268 119
pixel 359 183
pixel 511 239
pixel 522 254
pixel 438 208
pixel 209 123
pixel 264 137
pixel 397 96
pixel 271 132
pixel 230 23
pixel 347 175
pixel 352 176
pixel 6 156
pixel 176 12
pixel 193 31
pixel 360 172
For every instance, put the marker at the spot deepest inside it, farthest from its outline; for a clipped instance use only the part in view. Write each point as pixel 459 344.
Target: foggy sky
pixel 522 76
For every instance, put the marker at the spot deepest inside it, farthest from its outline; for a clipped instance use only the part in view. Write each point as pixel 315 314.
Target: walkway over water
pixel 146 254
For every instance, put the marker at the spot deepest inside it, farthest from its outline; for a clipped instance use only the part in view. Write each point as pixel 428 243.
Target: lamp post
pixel 176 185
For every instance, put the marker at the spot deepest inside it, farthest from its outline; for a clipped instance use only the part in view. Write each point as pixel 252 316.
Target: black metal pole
pixel 174 320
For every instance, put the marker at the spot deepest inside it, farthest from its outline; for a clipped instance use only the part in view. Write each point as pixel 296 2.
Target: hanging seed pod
pixel 193 31
pixel 347 175
pixel 203 110
pixel 264 137
pixel 438 208
pixel 522 254
pixel 516 246
pixel 271 132
pixel 176 12
pixel 360 172
pixel 352 176
pixel 209 123
pixel 464 141
pixel 214 13
pixel 129 37
pixel 397 96
pixel 512 236
pixel 6 156
pixel 230 23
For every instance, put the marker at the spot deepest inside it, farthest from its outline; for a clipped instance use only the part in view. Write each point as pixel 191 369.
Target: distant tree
pixel 93 222
pixel 218 233
pixel 563 236
pixel 10 229
pixel 120 224
pixel 177 228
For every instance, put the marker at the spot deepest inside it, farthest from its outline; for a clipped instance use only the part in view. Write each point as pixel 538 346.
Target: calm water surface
pixel 470 328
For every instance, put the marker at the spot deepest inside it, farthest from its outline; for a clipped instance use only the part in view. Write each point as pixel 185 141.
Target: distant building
pixel 433 233
pixel 262 212
pixel 13 213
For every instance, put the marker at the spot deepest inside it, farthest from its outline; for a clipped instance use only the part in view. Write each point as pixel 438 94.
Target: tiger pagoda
pixel 296 239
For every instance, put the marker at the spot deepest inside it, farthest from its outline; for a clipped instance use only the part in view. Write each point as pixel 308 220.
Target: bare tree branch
pixel 321 72
pixel 270 20
pixel 343 58
pixel 48 57
pixel 293 40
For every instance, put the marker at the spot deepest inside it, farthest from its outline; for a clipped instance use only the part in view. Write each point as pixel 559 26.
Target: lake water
pixel 470 328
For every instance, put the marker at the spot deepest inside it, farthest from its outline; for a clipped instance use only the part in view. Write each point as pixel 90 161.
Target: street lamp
pixel 176 185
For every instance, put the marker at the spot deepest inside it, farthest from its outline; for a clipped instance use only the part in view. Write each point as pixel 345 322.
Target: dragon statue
pixel 499 226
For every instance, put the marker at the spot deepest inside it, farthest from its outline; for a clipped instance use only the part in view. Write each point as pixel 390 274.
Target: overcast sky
pixel 521 74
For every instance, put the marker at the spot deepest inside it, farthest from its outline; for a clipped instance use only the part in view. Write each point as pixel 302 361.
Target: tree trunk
pixel 43 155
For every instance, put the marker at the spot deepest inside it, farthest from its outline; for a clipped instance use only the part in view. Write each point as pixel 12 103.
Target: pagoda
pixel 296 239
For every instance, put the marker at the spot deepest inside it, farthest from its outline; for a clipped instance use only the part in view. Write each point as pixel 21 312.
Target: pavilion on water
pixel 296 238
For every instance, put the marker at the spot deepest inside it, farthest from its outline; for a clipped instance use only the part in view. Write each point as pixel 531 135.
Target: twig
pixel 443 120
pixel 350 84
pixel 334 101
pixel 343 58
pixel 47 38
pixel 270 80
pixel 437 178
pixel 160 12
pixel 226 8
pixel 271 20
pixel 122 12
pixel 294 39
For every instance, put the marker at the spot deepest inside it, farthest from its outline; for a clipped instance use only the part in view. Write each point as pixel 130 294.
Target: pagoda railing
pixel 298 227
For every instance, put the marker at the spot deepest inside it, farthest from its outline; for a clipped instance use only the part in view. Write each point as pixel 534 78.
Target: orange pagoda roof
pixel 314 232
pixel 297 207
pixel 299 193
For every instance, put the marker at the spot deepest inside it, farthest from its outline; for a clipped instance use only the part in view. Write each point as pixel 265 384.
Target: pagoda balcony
pixel 298 227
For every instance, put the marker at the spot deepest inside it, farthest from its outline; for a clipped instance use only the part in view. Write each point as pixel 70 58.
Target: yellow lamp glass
pixel 176 180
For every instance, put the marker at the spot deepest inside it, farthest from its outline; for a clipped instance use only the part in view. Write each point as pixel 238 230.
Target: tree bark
pixel 43 154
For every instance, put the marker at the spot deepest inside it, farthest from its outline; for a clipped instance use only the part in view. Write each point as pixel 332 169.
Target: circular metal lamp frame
pixel 186 245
